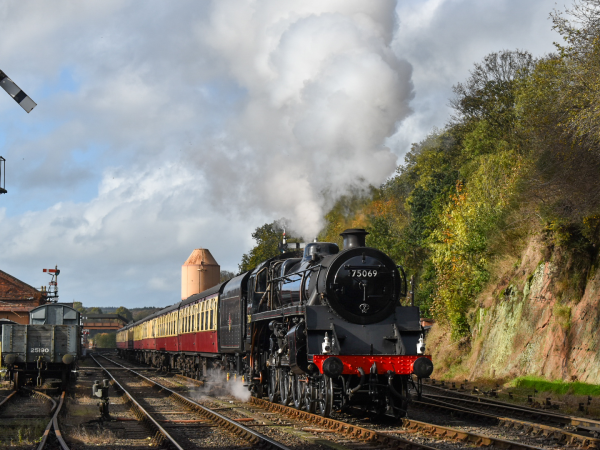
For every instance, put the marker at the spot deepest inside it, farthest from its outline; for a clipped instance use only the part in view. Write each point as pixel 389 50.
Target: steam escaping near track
pixel 217 385
pixel 320 90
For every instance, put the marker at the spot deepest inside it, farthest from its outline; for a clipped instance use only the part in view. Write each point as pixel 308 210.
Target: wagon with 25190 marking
pixel 46 348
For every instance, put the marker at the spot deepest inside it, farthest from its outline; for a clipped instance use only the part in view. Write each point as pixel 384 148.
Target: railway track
pixel 56 439
pixel 150 406
pixel 524 420
pixel 25 414
pixel 391 437
pixel 258 414
pixel 388 438
pixel 590 426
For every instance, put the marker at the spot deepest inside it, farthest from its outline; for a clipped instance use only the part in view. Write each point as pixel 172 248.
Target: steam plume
pixel 322 90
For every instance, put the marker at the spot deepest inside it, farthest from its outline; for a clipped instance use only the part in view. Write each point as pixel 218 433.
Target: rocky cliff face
pixel 541 318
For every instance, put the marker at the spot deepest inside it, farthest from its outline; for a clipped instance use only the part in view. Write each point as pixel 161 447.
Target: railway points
pixel 25 415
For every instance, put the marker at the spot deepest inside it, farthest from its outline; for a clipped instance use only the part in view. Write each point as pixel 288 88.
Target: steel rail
pixel 568 419
pixel 463 436
pixel 253 436
pixel 54 424
pixel 542 416
pixel 354 431
pixel 4 401
pixel 139 411
pixel 38 394
pixel 558 433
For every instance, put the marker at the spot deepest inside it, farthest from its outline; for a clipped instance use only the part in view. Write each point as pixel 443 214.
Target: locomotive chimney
pixel 199 273
pixel 354 237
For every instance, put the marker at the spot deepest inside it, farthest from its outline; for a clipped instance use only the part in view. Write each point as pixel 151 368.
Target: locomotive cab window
pixel 260 282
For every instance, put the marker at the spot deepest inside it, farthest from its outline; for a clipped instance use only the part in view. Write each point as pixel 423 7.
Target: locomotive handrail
pixel 303 271
pixel 271 281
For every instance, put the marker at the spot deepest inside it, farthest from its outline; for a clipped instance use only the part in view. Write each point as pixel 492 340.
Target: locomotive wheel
pixel 298 388
pixel 273 387
pixel 325 396
pixel 285 388
pixel 310 396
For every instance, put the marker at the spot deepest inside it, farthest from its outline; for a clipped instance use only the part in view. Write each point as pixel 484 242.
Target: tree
pixel 140 313
pixel 94 310
pixel 579 26
pixel 124 312
pixel 79 307
pixel 490 92
pixel 226 275
pixel 106 340
pixel 268 237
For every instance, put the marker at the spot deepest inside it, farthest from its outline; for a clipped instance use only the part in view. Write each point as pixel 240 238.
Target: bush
pixel 106 340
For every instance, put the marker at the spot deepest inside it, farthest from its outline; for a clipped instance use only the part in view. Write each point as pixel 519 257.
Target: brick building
pixel 103 323
pixel 17 298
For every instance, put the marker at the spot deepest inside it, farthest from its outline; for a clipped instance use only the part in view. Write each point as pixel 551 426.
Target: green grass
pixel 558 387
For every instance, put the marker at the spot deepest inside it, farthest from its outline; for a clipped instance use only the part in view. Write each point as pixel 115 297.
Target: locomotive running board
pixel 294 310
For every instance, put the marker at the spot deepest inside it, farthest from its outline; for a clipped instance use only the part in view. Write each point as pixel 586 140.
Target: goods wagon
pixel 46 348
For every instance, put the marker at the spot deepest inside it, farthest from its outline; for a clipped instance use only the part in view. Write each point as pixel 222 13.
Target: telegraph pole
pixel 24 102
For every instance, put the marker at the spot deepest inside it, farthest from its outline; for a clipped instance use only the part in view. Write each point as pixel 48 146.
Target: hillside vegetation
pixel 520 158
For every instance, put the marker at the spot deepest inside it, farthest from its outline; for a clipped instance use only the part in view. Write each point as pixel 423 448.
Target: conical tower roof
pixel 201 256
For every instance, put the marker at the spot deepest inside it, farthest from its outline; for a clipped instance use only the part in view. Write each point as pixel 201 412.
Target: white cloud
pixel 164 126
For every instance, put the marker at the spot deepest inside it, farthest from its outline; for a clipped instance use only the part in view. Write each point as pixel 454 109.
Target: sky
pixel 167 126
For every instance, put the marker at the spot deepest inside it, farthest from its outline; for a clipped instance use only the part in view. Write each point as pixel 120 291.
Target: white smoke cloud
pixel 216 384
pixel 323 91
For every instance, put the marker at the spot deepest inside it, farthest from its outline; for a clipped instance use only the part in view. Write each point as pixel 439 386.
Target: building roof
pixel 92 317
pixel 12 289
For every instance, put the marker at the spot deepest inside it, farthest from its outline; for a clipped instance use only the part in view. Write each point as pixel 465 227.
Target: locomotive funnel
pixel 354 237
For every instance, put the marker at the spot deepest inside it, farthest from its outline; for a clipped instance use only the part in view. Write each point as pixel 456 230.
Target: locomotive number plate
pixel 363 273
pixel 39 350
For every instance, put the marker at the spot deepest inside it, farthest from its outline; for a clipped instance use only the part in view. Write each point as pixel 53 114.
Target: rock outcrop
pixel 542 318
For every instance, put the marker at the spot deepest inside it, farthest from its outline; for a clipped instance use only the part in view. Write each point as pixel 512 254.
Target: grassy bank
pixel 557 387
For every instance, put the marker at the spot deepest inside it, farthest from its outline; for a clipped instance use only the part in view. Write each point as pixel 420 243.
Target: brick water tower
pixel 199 273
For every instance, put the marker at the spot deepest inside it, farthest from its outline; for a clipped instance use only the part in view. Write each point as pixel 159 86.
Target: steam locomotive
pixel 322 329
